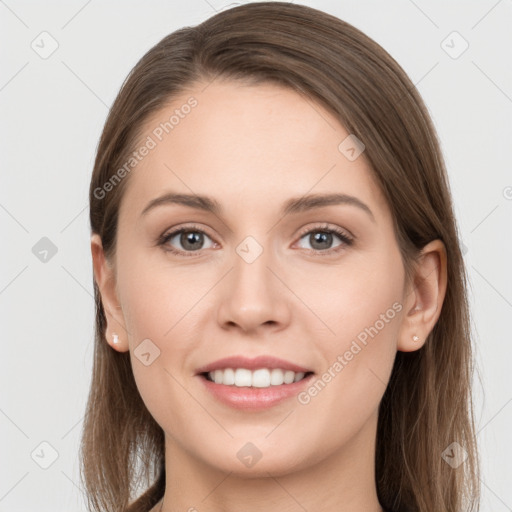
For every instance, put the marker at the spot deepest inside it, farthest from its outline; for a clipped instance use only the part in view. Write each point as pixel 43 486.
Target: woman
pixel 282 320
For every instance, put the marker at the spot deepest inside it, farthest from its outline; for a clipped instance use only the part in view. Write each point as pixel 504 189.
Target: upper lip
pixel 264 361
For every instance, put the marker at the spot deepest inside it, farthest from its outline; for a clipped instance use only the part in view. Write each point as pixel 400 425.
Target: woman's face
pixel 253 279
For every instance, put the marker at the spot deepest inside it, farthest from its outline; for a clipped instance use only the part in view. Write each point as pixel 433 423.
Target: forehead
pixel 245 144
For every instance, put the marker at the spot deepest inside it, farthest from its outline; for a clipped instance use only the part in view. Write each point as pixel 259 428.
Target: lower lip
pixel 254 398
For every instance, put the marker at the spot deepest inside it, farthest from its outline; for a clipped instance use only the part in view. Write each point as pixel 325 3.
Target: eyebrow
pixel 291 206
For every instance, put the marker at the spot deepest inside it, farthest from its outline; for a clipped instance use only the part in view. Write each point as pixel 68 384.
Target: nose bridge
pixel 252 296
pixel 252 280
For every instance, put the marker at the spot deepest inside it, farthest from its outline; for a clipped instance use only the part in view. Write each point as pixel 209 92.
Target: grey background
pixel 52 112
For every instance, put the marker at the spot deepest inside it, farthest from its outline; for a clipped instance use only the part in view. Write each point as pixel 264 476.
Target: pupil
pixel 322 237
pixel 189 240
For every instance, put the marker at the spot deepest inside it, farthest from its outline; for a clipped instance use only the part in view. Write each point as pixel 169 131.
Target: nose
pixel 252 296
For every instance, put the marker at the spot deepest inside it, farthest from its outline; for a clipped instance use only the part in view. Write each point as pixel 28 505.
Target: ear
pixel 104 275
pixel 424 299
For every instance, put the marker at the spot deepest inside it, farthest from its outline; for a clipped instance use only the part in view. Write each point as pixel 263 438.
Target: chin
pixel 248 462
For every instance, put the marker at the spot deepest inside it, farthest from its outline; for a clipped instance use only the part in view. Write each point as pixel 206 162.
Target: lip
pixel 249 398
pixel 264 361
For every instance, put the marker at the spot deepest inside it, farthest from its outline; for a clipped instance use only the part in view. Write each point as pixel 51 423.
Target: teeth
pixel 261 378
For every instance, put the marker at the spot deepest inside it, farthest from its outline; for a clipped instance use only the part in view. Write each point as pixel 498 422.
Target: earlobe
pixel 105 280
pixel 425 298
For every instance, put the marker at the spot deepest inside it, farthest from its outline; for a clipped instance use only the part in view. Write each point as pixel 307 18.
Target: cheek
pixel 166 398
pixel 350 296
pixel 157 305
pixel 359 305
pixel 364 312
pixel 157 297
pixel 161 304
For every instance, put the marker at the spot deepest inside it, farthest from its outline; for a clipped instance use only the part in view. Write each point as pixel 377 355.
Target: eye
pixel 321 238
pixel 191 239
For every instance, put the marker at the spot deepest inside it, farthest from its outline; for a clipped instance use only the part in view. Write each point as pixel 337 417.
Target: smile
pixel 260 378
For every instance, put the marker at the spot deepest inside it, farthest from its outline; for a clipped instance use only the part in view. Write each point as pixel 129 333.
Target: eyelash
pixel 342 235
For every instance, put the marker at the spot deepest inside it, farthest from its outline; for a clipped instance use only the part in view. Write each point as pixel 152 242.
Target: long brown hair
pixel 427 405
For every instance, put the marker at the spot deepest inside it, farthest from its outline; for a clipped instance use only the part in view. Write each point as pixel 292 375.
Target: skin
pixel 252 148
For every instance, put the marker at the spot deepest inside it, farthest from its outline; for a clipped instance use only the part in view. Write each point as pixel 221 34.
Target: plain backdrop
pixel 53 107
